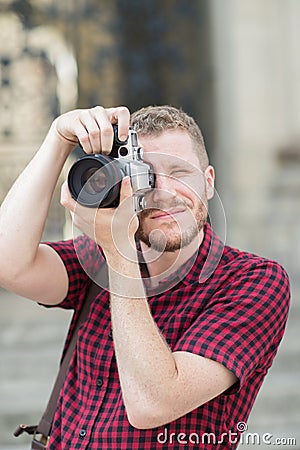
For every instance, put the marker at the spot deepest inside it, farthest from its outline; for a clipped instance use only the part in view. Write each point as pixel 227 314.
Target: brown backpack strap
pixel 41 431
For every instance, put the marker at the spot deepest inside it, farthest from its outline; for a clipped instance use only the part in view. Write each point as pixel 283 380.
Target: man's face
pixel 177 208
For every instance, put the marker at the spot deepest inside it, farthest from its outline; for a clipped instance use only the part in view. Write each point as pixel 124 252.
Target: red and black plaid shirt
pixel 236 317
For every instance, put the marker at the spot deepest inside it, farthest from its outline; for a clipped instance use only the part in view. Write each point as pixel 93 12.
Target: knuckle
pixel 97 109
pixel 83 113
pixel 64 202
pixel 123 109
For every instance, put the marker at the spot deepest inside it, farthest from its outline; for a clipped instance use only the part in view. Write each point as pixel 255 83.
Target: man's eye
pixel 179 173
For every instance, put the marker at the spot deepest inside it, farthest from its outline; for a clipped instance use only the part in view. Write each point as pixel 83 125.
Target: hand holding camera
pixel 95 180
pixel 93 127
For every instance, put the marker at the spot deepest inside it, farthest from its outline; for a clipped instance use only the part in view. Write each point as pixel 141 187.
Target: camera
pixel 95 180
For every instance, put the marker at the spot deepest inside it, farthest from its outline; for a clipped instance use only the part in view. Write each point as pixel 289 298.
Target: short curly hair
pixel 154 120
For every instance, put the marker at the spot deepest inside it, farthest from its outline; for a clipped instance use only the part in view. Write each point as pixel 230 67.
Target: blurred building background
pixel 235 67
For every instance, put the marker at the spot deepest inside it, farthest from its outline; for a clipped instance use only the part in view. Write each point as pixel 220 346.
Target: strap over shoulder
pixel 41 432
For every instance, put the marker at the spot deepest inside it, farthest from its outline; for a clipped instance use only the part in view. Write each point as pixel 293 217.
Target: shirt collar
pixel 209 255
pixel 199 267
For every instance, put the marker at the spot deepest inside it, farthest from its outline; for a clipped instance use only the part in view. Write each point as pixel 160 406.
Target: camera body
pixel 95 180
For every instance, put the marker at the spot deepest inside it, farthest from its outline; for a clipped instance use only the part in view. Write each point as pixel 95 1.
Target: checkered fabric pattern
pixel 236 317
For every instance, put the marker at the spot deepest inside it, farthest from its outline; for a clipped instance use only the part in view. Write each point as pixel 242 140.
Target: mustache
pixel 163 206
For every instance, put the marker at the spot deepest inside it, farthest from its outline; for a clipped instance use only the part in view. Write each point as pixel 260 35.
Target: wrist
pixel 125 280
pixel 116 257
pixel 59 142
pixel 61 135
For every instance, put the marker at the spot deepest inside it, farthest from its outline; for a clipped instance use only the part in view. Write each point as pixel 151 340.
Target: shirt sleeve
pixel 82 258
pixel 244 322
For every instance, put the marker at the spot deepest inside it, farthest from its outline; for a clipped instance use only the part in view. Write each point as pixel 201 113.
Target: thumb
pixel 66 199
pixel 126 189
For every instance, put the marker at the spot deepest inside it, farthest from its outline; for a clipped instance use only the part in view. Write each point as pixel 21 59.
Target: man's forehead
pixel 166 139
pixel 167 160
pixel 170 148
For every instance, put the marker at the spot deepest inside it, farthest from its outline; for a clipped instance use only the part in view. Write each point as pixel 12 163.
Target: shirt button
pixel 82 433
pixel 99 382
pixel 110 334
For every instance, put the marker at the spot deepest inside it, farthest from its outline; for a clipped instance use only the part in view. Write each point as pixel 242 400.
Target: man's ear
pixel 210 181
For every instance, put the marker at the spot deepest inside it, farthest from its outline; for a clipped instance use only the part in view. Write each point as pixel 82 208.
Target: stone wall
pixel 33 92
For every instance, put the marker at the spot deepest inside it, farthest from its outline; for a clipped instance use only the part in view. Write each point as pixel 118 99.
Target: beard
pixel 172 235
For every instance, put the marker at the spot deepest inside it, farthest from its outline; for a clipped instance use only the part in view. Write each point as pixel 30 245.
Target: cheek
pixel 192 194
pixel 144 223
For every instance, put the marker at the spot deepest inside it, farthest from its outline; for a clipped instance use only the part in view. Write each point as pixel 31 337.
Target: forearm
pixel 24 211
pixel 146 365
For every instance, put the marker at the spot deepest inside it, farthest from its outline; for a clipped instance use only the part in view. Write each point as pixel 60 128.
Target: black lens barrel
pixel 94 181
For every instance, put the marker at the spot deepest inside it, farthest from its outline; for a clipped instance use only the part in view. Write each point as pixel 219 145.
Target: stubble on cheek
pixel 174 235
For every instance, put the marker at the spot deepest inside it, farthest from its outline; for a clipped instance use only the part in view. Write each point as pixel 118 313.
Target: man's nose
pixel 164 189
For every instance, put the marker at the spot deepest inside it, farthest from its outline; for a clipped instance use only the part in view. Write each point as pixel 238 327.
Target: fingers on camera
pixel 121 116
pixel 95 131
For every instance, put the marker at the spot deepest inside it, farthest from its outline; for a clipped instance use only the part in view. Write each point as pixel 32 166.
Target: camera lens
pixel 94 181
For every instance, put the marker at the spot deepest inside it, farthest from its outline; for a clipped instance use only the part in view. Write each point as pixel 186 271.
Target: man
pixel 187 354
